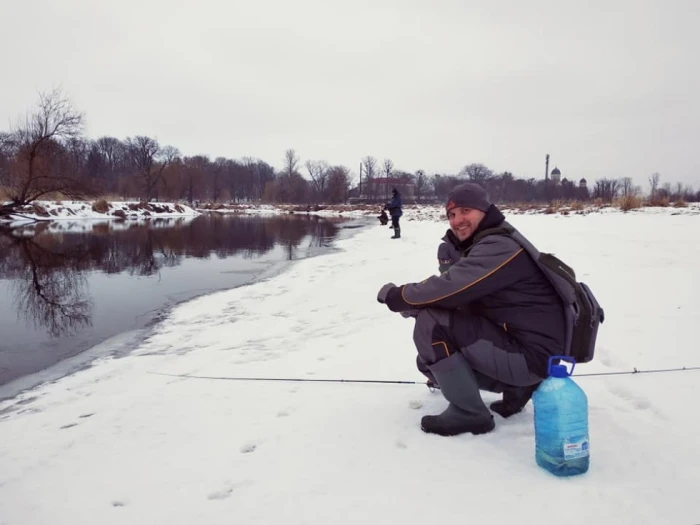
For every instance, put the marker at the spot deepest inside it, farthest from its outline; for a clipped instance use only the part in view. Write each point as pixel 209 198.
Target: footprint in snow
pixel 250 447
pixel 227 490
pixel 118 503
pixel 220 494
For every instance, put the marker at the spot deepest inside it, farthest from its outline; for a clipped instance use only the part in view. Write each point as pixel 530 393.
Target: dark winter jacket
pixel 498 280
pixel 447 253
pixel 394 205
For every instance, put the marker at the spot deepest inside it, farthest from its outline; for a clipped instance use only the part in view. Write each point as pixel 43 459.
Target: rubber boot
pixel 466 411
pixel 514 400
pixel 397 233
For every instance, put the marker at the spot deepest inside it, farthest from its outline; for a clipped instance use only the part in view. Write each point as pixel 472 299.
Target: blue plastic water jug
pixel 561 422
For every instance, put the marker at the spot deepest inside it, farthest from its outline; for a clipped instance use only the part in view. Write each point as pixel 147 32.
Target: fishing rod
pixel 386 382
pixel 635 371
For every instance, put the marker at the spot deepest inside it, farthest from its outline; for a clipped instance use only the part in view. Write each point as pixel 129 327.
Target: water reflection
pixel 48 263
pixel 48 282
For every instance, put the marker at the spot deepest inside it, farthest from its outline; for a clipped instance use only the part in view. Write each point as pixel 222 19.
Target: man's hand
pixel 384 291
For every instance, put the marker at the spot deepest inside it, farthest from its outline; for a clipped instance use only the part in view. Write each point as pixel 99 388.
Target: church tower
pixel 556 175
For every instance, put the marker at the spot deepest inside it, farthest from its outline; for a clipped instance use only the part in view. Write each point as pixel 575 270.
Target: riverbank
pixel 134 210
pixel 72 286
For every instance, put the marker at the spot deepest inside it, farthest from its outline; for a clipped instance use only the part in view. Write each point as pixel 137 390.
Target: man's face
pixel 464 221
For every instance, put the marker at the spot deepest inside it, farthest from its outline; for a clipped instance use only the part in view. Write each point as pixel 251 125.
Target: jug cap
pixel 560 370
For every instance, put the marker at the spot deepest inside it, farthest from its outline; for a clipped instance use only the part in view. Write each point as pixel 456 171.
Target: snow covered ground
pixel 120 442
pixel 84 210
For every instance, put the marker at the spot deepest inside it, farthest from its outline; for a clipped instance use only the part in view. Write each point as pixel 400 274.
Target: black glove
pixel 384 291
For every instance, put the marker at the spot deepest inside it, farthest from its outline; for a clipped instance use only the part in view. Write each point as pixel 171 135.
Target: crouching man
pixel 490 321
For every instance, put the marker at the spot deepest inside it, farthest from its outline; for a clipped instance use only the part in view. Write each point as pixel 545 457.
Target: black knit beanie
pixel 468 195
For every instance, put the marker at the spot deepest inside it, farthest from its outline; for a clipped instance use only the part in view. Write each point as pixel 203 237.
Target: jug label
pixel 576 447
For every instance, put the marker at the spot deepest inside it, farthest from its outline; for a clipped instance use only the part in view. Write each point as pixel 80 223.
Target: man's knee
pixel 426 321
pixel 432 336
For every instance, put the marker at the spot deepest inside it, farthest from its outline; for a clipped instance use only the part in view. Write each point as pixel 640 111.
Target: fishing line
pixel 294 379
pixel 386 382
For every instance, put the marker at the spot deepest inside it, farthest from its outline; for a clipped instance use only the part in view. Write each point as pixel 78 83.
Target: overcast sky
pixel 607 88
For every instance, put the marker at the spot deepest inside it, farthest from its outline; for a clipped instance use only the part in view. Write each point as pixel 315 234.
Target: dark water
pixel 67 286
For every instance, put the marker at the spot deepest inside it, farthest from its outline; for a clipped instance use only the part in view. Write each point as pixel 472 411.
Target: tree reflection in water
pixel 48 262
pixel 48 282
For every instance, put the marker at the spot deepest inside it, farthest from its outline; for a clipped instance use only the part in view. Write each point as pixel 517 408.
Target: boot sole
pixel 456 431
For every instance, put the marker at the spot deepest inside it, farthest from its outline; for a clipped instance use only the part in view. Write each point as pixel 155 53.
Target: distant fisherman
pixel 395 210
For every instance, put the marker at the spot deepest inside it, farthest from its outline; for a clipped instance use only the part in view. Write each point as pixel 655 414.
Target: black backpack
pixel 583 312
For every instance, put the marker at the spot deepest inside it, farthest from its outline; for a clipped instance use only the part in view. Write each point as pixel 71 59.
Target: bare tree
pixel 665 191
pixel 38 147
pixel 6 157
pixel 78 149
pixel 318 171
pixel 142 152
pixel 109 162
pixel 606 189
pixel 388 168
pixel 256 175
pixel 688 193
pixel 476 173
pixel 627 188
pixel 290 187
pixel 653 184
pixel 149 161
pixel 421 184
pixel 369 164
pixel 338 184
pixel 218 172
pixel 678 193
pixel 291 160
pixel 112 150
pixel 195 172
pixel 443 184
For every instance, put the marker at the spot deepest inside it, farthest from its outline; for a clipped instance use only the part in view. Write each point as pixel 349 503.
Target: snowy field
pixel 122 443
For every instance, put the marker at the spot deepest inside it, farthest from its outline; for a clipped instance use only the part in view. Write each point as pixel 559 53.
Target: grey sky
pixel 607 88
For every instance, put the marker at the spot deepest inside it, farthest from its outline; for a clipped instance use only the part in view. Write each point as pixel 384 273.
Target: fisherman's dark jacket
pixel 497 279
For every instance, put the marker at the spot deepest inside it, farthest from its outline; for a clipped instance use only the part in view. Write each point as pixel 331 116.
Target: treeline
pixel 47 155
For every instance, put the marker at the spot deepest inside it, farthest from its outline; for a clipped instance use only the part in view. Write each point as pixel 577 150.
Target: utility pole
pixel 546 178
